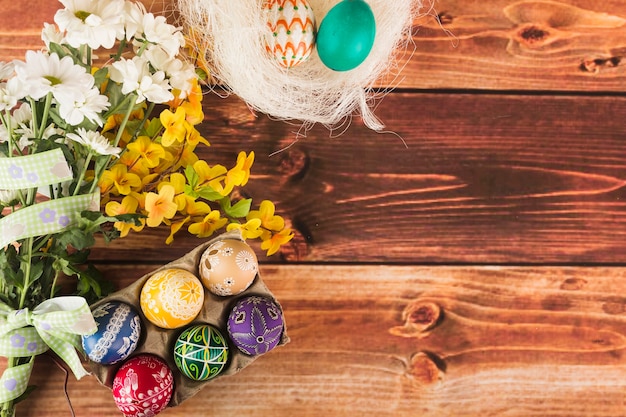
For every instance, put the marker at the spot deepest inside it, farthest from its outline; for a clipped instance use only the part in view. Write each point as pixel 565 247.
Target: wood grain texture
pixel 508 341
pixel 569 45
pixel 520 45
pixel 482 179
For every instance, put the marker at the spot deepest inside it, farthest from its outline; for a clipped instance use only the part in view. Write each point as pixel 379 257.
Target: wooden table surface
pixel 477 271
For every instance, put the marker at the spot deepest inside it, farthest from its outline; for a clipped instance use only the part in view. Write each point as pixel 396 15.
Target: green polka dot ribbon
pixel 56 324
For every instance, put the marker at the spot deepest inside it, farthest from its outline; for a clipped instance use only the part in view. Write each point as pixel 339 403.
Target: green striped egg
pixel 201 352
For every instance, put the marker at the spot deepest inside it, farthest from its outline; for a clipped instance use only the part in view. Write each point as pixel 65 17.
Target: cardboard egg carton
pixel 160 342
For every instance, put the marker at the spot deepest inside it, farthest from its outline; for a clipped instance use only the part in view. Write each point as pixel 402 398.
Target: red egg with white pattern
pixel 143 386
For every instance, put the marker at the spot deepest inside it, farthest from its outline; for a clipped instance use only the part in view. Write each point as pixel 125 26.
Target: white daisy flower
pixel 94 141
pixel 97 23
pixel 7 69
pixel 133 19
pixel 179 73
pixel 135 76
pixel 8 196
pixel 50 34
pixel 10 93
pixel 42 74
pixel 89 105
pixel 157 31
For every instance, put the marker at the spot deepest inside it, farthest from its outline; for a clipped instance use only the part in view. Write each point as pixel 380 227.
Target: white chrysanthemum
pixel 42 74
pixel 92 22
pixel 133 19
pixel 135 77
pixel 179 73
pixel 10 93
pixel 8 197
pixel 94 141
pixel 89 105
pixel 157 31
pixel 7 69
pixel 50 34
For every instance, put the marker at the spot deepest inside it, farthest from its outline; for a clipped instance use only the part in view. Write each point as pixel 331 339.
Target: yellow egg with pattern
pixel 291 31
pixel 172 298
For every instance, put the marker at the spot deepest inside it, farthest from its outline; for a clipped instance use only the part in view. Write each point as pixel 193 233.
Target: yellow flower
pixel 128 205
pixel 269 221
pixel 249 230
pixel 178 181
pixel 175 126
pixel 133 162
pixel 119 177
pixel 193 104
pixel 208 225
pixel 160 206
pixel 239 174
pixel 196 208
pixel 212 176
pixel 272 244
pixel 151 153
pixel 174 228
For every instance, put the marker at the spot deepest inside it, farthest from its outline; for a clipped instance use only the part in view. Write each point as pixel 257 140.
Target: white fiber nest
pixel 231 38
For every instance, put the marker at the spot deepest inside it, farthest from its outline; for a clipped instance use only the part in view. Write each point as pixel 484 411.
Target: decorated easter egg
pixel 228 267
pixel 143 386
pixel 291 35
pixel 119 330
pixel 171 298
pixel 201 352
pixel 346 35
pixel 255 325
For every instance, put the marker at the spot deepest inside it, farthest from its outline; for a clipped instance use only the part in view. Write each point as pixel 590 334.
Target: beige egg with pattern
pixel 228 267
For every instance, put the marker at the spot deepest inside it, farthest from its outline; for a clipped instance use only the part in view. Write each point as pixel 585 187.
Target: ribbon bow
pixel 56 323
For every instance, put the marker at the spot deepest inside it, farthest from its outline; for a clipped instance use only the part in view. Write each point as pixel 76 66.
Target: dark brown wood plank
pixel 366 340
pixel 482 179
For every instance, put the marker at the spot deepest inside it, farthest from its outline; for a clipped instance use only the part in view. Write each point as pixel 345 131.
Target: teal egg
pixel 346 35
pixel 201 352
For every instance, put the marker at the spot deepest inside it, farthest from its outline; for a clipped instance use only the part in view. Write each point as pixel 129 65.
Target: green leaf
pixel 153 128
pixel 192 176
pixel 100 76
pixel 76 238
pixel 209 194
pixel 239 210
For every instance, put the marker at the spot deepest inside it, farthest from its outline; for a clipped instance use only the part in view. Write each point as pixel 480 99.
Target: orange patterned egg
pixel 172 298
pixel 291 35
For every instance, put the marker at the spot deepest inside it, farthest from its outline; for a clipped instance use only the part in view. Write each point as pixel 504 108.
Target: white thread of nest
pixel 232 42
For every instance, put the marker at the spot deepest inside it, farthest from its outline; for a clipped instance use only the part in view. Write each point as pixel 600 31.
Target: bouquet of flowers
pixel 98 128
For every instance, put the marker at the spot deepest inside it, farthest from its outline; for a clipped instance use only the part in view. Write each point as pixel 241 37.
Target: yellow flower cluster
pixel 160 178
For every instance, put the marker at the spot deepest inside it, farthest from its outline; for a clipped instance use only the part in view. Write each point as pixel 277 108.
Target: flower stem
pixel 27 269
pixel 44 119
pixel 83 172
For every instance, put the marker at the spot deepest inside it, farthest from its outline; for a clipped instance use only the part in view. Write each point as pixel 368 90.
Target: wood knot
pixel 533 35
pixel 596 65
pixel 294 164
pixel 573 284
pixel 426 369
pixel 423 316
pixel 419 317
pixel 445 18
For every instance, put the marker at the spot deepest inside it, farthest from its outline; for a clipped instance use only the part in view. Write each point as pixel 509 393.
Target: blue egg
pixel 119 330
pixel 346 35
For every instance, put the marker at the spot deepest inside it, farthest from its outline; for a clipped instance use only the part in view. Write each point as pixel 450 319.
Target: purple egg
pixel 119 330
pixel 255 325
